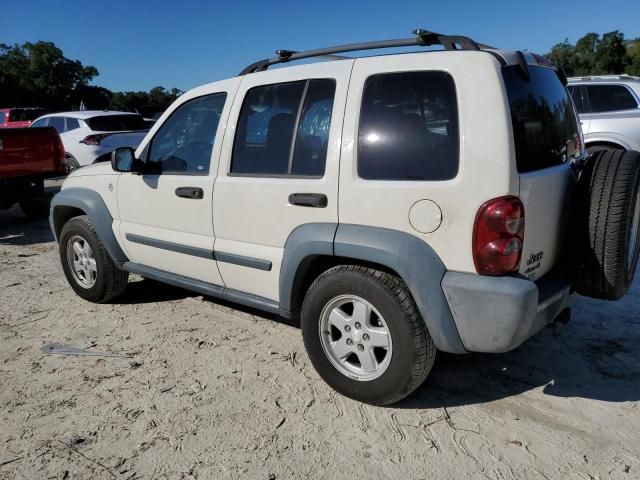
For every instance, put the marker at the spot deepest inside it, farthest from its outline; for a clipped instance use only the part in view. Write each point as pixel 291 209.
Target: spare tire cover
pixel 606 224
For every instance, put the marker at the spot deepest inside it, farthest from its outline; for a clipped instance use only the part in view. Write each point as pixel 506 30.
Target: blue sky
pixel 139 44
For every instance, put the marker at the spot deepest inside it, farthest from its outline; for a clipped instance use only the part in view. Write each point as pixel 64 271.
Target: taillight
pixel 93 139
pixel 498 234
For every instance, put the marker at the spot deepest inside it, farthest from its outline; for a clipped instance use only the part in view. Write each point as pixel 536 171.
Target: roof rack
pixel 422 38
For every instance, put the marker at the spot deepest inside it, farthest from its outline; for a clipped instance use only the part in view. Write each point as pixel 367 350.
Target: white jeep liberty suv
pixel 395 205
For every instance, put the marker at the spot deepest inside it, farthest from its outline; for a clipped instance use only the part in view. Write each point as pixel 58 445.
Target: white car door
pixel 283 139
pixel 166 213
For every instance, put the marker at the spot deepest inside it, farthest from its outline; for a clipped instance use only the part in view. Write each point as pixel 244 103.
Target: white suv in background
pixel 395 205
pixel 609 110
pixel 88 135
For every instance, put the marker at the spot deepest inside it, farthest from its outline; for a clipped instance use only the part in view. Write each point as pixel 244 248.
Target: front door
pixel 283 139
pixel 166 213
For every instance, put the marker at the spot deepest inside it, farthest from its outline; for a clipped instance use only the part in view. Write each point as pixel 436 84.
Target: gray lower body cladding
pixel 497 314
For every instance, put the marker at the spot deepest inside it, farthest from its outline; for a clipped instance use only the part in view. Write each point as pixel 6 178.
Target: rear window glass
pixel 545 129
pixel 610 98
pixel 116 123
pixel 25 114
pixel 408 127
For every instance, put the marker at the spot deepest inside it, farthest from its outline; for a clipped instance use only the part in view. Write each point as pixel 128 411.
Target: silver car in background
pixel 609 110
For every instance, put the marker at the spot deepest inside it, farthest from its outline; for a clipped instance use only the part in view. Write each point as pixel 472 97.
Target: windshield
pixel 116 123
pixel 545 129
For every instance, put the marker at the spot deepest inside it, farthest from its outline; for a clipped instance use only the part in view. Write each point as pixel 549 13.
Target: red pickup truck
pixel 19 117
pixel 27 157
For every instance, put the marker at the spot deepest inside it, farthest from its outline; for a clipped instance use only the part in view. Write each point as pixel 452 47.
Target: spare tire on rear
pixel 606 224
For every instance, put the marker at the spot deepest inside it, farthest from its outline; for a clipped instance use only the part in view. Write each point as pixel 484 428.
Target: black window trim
pixel 614 84
pixel 295 133
pixel 357 130
pixel 147 148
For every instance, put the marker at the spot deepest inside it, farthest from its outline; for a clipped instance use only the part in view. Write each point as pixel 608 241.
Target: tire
pixel 411 350
pixel 36 209
pixel 107 281
pixel 593 149
pixel 607 224
pixel 72 164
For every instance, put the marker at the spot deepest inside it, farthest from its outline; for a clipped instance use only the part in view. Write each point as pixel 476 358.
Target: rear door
pixel 282 147
pixel 547 138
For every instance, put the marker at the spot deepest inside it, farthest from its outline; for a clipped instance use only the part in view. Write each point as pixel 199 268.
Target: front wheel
pixel 365 336
pixel 86 263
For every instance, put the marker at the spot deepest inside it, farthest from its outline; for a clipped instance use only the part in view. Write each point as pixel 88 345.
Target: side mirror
pixel 123 159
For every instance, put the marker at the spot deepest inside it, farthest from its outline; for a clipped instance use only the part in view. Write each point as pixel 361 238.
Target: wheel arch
pixel 73 202
pixel 313 248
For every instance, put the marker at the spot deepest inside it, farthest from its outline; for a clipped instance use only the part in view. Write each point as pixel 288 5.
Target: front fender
pixel 92 205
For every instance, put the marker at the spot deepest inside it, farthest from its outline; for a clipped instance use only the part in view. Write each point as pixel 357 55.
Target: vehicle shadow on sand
pixel 595 356
pixel 17 229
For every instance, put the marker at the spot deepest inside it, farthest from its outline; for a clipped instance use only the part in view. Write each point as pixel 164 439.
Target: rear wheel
pixel 608 223
pixel 86 263
pixel 364 334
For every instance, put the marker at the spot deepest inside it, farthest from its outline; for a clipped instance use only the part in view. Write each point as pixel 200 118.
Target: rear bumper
pixel 497 314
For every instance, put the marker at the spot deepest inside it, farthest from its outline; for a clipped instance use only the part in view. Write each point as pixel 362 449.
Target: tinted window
pixel 2 117
pixel 72 123
pixel 184 142
pixel 408 127
pixel 25 114
pixel 312 137
pixel 609 98
pixel 545 130
pixel 57 123
pixel 265 129
pixel 578 100
pixel 116 123
pixel 40 123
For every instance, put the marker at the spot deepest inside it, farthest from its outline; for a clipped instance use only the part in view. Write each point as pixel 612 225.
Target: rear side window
pixel 408 127
pixel 610 98
pixel 283 129
pixel 578 98
pixel 116 123
pixel 545 129
pixel 72 123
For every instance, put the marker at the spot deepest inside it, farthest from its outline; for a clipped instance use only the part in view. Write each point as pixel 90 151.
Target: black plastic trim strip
pixel 173 247
pixel 232 258
pixel 243 261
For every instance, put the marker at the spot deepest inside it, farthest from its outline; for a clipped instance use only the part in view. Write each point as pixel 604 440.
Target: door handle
pixel 190 192
pixel 315 200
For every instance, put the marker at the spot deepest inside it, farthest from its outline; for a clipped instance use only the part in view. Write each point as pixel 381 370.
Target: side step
pixel 209 289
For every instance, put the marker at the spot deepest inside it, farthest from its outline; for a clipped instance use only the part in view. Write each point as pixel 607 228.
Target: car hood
pixel 103 168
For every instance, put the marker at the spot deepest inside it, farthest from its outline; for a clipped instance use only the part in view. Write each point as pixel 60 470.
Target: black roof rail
pixel 422 38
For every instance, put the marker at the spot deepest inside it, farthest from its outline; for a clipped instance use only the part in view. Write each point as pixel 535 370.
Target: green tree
pixel 611 55
pixel 563 54
pixel 633 50
pixel 39 74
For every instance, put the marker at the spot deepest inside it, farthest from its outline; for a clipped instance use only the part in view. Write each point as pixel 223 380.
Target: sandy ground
pixel 203 390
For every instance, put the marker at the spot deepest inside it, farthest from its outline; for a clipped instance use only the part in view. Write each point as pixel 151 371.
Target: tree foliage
pixel 598 55
pixel 38 74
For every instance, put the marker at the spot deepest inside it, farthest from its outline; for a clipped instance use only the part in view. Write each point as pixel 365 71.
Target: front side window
pixel 408 127
pixel 271 116
pixel 40 123
pixel 610 98
pixel 184 142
